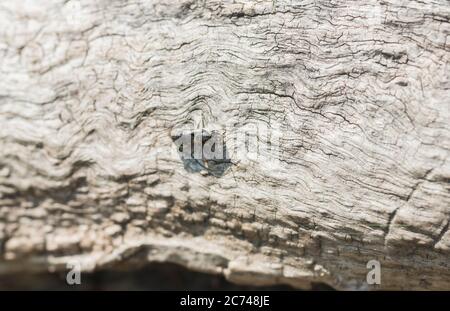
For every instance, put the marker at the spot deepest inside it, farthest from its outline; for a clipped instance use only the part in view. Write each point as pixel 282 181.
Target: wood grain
pixel 358 93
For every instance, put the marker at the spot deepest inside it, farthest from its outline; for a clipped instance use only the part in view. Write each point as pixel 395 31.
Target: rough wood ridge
pixel 359 90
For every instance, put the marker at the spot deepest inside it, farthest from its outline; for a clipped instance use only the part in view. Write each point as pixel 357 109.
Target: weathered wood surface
pixel 359 92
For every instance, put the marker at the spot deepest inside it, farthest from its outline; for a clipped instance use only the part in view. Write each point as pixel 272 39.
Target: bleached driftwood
pixel 356 92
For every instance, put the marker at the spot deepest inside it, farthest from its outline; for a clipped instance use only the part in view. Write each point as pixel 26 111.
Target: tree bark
pixel 356 94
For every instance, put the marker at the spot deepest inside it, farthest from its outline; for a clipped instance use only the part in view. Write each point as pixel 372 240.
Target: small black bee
pixel 202 151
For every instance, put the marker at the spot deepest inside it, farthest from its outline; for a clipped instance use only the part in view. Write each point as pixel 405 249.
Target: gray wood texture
pixel 356 92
